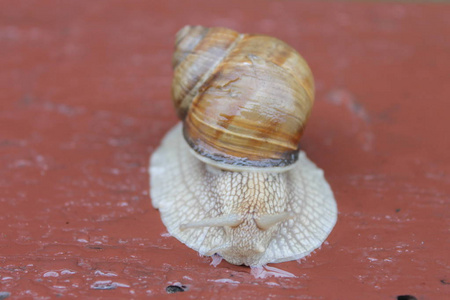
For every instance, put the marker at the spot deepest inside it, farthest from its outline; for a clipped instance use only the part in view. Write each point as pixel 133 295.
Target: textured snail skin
pixel 230 178
pixel 186 190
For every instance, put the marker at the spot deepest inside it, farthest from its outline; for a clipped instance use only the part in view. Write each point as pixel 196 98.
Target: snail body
pixel 230 179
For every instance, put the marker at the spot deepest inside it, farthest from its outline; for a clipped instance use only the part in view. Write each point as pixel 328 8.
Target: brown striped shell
pixel 244 99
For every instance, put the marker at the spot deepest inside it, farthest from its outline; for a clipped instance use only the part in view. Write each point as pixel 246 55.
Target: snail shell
pixel 248 96
pixel 231 179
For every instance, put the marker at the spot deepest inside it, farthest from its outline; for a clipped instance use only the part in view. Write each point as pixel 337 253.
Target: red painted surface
pixel 85 99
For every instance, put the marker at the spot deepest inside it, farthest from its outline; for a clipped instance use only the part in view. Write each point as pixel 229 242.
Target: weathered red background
pixel 85 99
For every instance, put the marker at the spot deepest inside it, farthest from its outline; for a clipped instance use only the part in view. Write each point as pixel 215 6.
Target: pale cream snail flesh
pixel 230 179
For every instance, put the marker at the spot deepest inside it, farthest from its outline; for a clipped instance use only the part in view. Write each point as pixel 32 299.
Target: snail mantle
pixel 230 179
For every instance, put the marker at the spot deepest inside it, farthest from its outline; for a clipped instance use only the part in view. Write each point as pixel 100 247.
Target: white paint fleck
pixel 107 274
pixel 6 278
pixel 60 287
pixel 107 285
pixel 224 280
pixel 51 274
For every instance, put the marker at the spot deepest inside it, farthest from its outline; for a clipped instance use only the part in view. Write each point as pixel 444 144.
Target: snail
pixel 230 178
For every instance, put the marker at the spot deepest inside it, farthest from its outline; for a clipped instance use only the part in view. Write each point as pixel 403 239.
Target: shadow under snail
pixel 230 178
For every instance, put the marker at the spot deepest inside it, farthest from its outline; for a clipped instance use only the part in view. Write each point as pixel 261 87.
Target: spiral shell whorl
pixel 197 50
pixel 243 99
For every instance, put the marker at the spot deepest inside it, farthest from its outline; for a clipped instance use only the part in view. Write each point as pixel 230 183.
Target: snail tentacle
pixel 225 220
pixel 267 221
